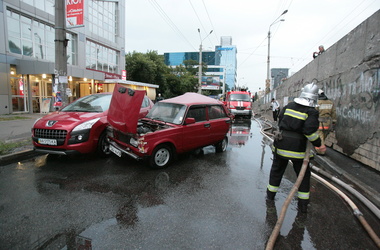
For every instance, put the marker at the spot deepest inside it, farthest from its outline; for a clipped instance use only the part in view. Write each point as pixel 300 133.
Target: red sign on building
pixel 74 13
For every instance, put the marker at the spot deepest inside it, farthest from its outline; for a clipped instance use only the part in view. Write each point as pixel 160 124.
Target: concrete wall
pixel 349 73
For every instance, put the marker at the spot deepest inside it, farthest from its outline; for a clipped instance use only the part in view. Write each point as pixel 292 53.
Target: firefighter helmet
pixel 308 96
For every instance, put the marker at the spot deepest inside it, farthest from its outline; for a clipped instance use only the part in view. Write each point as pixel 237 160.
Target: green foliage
pixel 147 68
pixel 8 147
pixel 4 118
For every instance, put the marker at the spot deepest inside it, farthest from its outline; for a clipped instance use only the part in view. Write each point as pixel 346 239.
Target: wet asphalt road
pixel 210 201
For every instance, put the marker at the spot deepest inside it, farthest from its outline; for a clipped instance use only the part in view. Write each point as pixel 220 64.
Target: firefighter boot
pixel 270 195
pixel 302 205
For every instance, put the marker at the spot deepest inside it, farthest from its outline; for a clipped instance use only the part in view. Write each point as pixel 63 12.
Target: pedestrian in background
pixel 159 98
pixel 275 109
pixel 298 124
pixel 327 119
pixel 321 50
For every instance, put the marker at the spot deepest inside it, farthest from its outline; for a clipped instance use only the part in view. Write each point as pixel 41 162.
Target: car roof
pixel 191 98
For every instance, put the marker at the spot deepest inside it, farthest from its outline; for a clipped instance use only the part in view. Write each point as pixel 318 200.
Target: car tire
pixel 161 157
pixel 103 149
pixel 222 145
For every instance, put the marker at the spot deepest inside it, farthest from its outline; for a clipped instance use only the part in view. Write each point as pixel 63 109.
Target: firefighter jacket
pixel 327 114
pixel 297 124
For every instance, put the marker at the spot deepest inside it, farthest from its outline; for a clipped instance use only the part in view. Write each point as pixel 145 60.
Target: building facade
pixel 95 52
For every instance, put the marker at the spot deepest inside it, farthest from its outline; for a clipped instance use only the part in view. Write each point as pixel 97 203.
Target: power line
pixel 212 25
pixel 335 30
pixel 167 19
pixel 204 29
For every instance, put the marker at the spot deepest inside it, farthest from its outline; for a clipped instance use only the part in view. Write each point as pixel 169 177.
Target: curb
pixel 18 156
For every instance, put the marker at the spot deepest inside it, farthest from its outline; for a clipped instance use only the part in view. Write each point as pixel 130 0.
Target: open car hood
pixel 123 113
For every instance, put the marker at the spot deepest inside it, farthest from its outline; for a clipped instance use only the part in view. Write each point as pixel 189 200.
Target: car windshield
pixel 90 103
pixel 167 112
pixel 240 97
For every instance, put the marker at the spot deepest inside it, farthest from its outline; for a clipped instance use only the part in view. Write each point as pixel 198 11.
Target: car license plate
pixel 115 151
pixel 52 142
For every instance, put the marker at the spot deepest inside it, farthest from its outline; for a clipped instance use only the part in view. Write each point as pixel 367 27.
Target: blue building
pixel 220 63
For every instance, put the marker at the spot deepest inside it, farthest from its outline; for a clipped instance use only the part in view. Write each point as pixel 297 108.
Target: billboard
pixel 211 82
pixel 74 13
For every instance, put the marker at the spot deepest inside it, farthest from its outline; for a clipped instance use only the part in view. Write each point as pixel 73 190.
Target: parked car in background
pixel 173 126
pixel 239 103
pixel 80 127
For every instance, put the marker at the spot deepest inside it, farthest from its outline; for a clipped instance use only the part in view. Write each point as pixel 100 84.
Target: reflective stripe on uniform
pixel 289 154
pixel 303 195
pixel 312 137
pixel 272 188
pixel 323 127
pixel 296 114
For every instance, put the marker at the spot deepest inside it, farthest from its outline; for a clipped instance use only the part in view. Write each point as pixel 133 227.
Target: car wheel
pixel 161 157
pixel 103 149
pixel 222 145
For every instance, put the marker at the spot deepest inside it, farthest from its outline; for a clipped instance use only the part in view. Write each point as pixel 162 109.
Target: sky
pixel 172 26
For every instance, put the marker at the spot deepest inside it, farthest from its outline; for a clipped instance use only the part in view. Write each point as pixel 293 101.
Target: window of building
pixel 101 58
pixel 103 19
pixel 34 38
pixel 46 5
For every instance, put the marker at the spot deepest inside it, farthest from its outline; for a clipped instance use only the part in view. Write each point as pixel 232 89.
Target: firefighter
pixel 327 119
pixel 298 122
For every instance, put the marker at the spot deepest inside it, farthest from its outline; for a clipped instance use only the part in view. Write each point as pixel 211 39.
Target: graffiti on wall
pixel 357 100
pixel 356 105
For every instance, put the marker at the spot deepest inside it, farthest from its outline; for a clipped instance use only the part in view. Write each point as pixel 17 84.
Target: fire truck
pixel 239 103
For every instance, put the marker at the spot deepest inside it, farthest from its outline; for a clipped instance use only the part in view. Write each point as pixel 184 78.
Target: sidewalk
pixel 16 130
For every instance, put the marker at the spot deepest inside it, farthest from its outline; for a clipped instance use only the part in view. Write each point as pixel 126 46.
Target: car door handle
pixel 207 125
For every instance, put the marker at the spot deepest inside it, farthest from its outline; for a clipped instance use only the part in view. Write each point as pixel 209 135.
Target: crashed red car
pixel 80 127
pixel 173 126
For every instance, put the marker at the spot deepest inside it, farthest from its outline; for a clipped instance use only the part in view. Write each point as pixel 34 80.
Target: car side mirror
pixel 189 120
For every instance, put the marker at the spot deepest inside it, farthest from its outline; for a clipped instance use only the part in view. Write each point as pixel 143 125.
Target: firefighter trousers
pixel 278 169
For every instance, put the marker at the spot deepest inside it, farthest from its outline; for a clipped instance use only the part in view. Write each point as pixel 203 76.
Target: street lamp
pixel 200 62
pixel 267 82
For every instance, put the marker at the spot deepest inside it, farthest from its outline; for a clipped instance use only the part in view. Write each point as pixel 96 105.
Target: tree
pixel 147 68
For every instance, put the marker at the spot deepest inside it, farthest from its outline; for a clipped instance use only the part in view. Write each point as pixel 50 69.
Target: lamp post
pixel 60 70
pixel 200 62
pixel 267 82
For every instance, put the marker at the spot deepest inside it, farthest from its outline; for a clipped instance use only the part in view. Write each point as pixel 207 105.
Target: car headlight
pixel 134 142
pixel 86 125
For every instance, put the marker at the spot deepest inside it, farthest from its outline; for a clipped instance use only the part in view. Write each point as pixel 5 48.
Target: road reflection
pixel 240 133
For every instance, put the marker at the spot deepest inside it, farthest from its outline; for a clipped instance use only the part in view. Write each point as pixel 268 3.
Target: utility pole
pixel 60 70
pixel 268 80
pixel 200 62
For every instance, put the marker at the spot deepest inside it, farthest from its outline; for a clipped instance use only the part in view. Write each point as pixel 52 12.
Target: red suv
pixel 79 127
pixel 177 125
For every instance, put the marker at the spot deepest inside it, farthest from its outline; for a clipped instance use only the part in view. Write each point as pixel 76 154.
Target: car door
pixel 196 135
pixel 219 123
